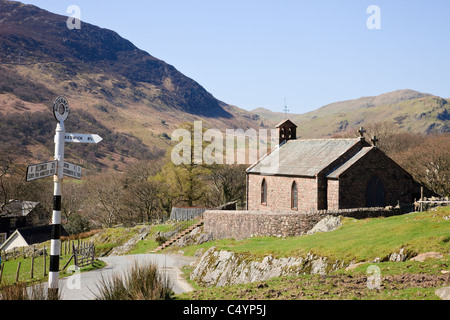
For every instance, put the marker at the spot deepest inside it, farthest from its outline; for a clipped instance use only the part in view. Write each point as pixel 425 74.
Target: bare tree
pixel 74 194
pixel 12 179
pixel 105 203
pixel 429 162
pixel 227 184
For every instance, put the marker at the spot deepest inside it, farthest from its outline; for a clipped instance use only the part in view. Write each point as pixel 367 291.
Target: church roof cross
pixel 374 141
pixel 361 133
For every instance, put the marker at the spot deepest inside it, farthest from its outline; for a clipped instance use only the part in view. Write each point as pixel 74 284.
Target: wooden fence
pixel 82 253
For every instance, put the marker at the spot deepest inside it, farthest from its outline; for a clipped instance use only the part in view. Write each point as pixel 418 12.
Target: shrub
pixel 140 282
pixel 20 291
pixel 160 239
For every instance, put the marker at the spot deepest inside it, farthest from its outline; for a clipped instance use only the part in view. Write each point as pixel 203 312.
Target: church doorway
pixel 375 193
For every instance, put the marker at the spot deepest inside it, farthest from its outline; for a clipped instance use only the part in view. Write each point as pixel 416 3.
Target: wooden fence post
pixel 32 267
pixel 45 262
pixel 421 199
pixel 74 252
pixel 1 272
pixel 17 272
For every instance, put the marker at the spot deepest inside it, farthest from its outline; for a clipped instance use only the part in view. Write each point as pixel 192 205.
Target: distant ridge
pixel 410 110
pixel 135 99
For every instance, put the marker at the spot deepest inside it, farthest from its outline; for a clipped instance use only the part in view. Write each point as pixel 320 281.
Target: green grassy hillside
pixel 411 111
pixel 355 241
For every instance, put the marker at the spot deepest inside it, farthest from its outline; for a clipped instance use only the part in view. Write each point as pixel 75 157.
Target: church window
pixel 294 196
pixel 264 192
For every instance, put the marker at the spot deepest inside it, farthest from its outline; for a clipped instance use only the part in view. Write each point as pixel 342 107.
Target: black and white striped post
pixel 61 111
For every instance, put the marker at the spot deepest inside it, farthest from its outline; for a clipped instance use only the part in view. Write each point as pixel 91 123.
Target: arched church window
pixel 264 192
pixel 294 196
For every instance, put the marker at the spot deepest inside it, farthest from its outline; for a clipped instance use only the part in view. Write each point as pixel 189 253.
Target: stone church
pixel 326 174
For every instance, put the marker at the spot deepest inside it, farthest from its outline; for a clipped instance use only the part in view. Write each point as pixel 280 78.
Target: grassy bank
pixel 10 269
pixel 355 240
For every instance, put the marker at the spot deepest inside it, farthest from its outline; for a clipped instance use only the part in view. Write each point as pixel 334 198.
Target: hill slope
pixel 411 110
pixel 104 77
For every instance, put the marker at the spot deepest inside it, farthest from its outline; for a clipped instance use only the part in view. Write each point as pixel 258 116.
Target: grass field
pixel 10 269
pixel 355 241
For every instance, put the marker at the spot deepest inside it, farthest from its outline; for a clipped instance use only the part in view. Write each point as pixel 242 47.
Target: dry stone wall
pixel 246 224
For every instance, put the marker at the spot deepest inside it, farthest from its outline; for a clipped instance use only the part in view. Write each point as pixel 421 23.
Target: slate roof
pixel 285 121
pixel 302 157
pixel 339 170
pixel 40 234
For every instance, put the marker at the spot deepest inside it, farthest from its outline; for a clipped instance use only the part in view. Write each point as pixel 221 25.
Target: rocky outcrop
pixel 221 267
pixel 197 236
pixel 443 293
pixel 130 244
pixel 427 255
pixel 327 224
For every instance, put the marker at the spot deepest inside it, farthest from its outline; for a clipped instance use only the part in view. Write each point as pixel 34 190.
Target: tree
pixel 105 203
pixel 141 192
pixel 187 181
pixel 228 184
pixel 74 194
pixel 429 163
pixel 12 178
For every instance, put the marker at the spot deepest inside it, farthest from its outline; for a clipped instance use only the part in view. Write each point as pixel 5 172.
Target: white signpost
pixel 72 170
pixel 59 168
pixel 82 138
pixel 41 170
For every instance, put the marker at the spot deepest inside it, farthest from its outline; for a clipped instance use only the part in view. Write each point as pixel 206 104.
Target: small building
pixel 327 174
pixel 185 213
pixel 21 214
pixel 25 237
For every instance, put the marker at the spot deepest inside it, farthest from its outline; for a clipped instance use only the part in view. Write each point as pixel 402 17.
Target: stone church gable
pixel 327 174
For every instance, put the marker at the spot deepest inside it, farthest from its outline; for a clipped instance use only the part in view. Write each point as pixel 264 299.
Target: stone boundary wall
pixel 245 224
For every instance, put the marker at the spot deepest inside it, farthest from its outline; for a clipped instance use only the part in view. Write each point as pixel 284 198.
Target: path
pixel 84 288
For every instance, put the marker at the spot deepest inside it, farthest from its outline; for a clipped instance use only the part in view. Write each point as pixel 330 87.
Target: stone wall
pixel 246 224
pixel 398 184
pixel 279 193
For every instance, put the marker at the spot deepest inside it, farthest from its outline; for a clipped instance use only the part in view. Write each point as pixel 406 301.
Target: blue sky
pixel 256 53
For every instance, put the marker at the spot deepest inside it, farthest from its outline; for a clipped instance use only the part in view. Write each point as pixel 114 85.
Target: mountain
pixel 135 99
pixel 410 110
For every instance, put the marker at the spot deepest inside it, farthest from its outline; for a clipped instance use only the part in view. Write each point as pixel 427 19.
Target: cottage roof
pixel 30 236
pixel 303 157
pixel 40 234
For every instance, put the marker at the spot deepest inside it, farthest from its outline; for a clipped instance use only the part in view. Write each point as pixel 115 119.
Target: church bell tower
pixel 287 130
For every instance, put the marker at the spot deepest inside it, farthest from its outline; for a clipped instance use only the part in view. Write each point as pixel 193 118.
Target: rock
pixel 354 266
pixel 199 253
pixel 220 268
pixel 402 255
pixel 443 293
pixel 319 266
pixel 130 244
pixel 197 236
pixel 327 224
pixel 428 255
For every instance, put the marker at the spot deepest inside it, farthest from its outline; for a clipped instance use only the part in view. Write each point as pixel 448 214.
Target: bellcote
pixel 287 130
